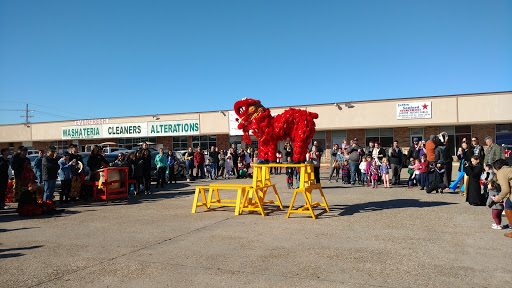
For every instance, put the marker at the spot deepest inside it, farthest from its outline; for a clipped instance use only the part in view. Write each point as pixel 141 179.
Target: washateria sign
pixel 414 110
pixel 132 130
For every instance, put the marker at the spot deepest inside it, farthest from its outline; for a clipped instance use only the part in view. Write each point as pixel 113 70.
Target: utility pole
pixel 26 114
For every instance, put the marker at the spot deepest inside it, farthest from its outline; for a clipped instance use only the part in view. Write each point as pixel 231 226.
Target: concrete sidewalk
pixel 395 237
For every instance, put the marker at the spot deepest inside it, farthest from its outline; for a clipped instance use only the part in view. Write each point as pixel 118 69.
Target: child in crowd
pixel 289 174
pixel 345 172
pixel 496 207
pixel 384 171
pixel 437 181
pixel 362 168
pixel 487 176
pixel 37 190
pixel 369 164
pixel 229 166
pixel 208 169
pixel 415 166
pixel 410 171
pixel 374 173
pixel 423 172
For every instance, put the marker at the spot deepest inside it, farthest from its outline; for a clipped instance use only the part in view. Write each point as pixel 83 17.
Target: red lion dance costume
pixel 295 124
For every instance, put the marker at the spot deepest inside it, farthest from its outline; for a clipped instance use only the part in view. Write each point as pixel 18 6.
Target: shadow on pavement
pixel 16 229
pixel 347 210
pixel 17 254
pixel 10 215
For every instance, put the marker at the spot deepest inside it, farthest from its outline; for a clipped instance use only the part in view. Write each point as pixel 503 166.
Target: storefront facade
pixel 461 116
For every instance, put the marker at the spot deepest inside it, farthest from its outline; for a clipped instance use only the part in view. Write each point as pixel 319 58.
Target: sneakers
pixel 506 226
pixel 497 227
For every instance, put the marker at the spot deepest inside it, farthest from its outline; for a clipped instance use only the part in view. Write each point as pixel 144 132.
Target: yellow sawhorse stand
pixel 214 189
pixel 252 197
pixel 200 191
pixel 307 185
pixel 217 201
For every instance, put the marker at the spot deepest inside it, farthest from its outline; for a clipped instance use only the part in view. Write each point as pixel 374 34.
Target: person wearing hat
pixel 65 176
pixel 355 152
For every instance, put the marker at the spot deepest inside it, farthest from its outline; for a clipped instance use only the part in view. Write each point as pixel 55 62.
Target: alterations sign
pixel 414 110
pixel 132 130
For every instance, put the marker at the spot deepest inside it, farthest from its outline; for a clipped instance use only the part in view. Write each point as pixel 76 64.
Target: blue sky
pixel 102 59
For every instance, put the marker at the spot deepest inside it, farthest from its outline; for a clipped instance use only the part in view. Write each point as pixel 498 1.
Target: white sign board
pixel 414 110
pixel 233 125
pixel 132 130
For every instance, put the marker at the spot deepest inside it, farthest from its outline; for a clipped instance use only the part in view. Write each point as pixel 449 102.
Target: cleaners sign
pixel 132 130
pixel 415 110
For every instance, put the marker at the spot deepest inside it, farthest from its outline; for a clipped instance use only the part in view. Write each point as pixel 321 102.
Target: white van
pixel 108 150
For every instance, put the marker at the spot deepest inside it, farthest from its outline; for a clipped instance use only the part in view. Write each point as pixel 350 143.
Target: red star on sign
pixel 425 106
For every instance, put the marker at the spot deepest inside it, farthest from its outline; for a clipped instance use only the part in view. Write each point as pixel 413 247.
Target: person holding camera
pixel 443 152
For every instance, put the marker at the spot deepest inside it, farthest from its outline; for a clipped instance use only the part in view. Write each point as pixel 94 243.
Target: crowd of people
pixel 483 174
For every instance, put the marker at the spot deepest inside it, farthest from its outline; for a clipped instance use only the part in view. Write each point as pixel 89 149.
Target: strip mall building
pixel 461 116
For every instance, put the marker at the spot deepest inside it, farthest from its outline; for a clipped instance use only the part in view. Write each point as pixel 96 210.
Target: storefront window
pixel 504 134
pixel 384 136
pixel 416 133
pixel 456 134
pixel 320 138
pixel 61 146
pixel 204 141
pixel 338 136
pixel 130 143
pixel 179 143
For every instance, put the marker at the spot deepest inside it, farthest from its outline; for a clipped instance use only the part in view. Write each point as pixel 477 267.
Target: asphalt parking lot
pixel 394 237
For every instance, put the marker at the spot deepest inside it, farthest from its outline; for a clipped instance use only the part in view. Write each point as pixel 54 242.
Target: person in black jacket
pixel 146 170
pixel 214 160
pixel 138 172
pixel 4 176
pixel 443 151
pixel 414 150
pixel 95 162
pixel 474 170
pixel 50 169
pixel 396 158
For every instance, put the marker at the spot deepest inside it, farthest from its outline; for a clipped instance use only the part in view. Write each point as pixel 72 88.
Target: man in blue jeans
pixel 51 168
pixel 214 161
pixel 354 158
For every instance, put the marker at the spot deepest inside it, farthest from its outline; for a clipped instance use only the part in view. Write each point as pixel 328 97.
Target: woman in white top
pixel 378 153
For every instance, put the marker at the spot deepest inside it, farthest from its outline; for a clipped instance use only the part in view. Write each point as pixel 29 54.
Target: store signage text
pixel 144 129
pixel 415 110
pixel 91 122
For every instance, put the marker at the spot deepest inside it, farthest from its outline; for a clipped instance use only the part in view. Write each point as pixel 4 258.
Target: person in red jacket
pixel 199 161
